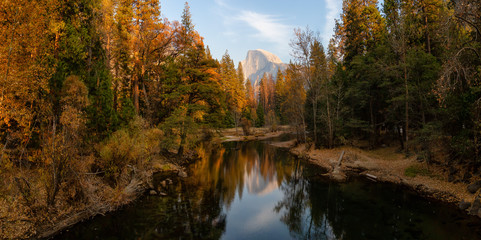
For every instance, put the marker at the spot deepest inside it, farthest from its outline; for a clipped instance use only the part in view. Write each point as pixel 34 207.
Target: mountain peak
pixel 270 56
pixel 258 62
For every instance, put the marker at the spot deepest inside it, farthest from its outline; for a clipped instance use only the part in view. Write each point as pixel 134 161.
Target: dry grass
pixel 229 134
pixel 388 165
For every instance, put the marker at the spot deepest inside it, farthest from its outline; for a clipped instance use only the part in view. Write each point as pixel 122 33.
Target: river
pixel 252 190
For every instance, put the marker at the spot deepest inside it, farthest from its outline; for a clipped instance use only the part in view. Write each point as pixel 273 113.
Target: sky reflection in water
pixel 255 191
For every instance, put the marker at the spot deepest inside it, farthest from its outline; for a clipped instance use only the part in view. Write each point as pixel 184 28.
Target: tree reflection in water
pixel 255 191
pixel 238 166
pixel 304 219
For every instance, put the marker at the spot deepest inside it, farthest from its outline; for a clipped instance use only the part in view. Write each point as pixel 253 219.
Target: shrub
pixel 414 170
pixel 129 148
pixel 246 126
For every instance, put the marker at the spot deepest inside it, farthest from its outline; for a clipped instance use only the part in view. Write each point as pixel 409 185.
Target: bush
pixel 414 170
pixel 246 126
pixel 129 148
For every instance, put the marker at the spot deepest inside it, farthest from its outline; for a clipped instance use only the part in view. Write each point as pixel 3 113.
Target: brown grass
pixel 388 165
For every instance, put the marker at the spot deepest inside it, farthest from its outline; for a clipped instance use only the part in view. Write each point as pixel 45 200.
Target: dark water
pixel 255 191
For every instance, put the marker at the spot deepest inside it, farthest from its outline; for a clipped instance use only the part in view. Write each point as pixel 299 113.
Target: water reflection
pixel 253 166
pixel 255 191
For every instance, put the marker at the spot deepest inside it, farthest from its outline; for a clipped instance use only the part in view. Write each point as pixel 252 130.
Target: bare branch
pixel 469 23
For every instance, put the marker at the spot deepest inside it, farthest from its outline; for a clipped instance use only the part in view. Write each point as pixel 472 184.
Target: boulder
pixel 473 187
pixel 463 205
pixel 475 207
pixel 182 174
pixel 152 192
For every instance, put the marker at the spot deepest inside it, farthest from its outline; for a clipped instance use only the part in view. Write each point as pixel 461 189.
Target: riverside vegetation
pixel 97 95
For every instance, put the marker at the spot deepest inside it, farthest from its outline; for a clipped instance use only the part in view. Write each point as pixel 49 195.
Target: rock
pixel 472 188
pixel 475 207
pixel 464 205
pixel 162 194
pixel 169 181
pixel 258 62
pixel 152 192
pixel 182 174
pixel 338 175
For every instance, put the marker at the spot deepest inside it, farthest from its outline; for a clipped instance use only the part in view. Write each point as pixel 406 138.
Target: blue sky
pixel 242 25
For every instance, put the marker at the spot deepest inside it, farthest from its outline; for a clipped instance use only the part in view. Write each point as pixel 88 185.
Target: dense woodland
pixel 98 88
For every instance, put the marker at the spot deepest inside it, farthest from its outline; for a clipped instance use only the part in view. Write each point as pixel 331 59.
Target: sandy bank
pixel 232 135
pixel 385 165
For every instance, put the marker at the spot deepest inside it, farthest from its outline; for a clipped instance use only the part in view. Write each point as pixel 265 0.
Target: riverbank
pixel 233 135
pixel 386 165
pixel 19 220
pixel 25 217
pixel 138 186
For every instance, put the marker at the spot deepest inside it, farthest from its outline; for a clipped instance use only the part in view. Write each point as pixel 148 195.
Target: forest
pixel 95 92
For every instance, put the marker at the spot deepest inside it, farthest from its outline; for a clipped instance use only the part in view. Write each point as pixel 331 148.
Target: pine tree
pixel 360 28
pixel 192 87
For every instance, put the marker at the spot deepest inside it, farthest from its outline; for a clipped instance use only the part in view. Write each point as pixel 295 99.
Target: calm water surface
pixel 256 191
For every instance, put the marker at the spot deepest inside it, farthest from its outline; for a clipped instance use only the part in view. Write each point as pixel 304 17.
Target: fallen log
pixel 371 177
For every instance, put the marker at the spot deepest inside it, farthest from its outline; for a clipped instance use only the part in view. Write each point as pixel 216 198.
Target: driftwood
pixel 336 173
pixel 136 186
pixel 371 177
pixel 340 159
pixel 71 220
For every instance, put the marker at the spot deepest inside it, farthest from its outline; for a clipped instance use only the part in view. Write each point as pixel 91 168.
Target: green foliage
pixel 229 121
pixel 366 94
pixel 414 170
pixel 260 121
pixel 101 114
pixel 127 111
pixel 129 148
pixel 180 130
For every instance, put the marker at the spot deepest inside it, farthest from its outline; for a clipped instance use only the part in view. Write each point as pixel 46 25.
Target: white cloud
pixel 261 220
pixel 268 28
pixel 221 3
pixel 246 27
pixel 333 11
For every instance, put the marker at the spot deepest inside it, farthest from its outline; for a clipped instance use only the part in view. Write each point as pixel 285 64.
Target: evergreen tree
pixel 260 121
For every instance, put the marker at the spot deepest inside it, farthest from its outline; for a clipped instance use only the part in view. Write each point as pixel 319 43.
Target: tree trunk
pixel 423 114
pixel 314 119
pixel 116 92
pixel 304 129
pixel 135 93
pixel 52 190
pixel 180 151
pixel 4 147
pixel 235 123
pixel 9 57
pixel 147 102
pixel 373 124
pixel 329 122
pixel 426 29
pixel 406 146
pixel 400 136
